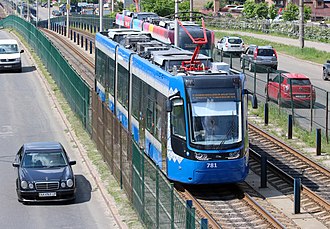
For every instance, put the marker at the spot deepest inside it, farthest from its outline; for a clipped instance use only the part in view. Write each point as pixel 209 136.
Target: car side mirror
pixel 15 164
pixel 21 51
pixel 72 162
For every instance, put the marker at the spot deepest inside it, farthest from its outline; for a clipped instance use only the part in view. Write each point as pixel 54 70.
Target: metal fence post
pixel 86 44
pixel 172 206
pixel 296 191
pixel 157 199
pixel 204 224
pixel 91 46
pixel 327 117
pixel 82 41
pixel 266 111
pixel 78 38
pixel 318 141
pixel 290 127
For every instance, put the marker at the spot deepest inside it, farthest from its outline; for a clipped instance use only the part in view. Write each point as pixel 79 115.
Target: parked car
pixel 10 55
pixel 237 9
pixel 56 13
pixel 298 85
pixel 255 56
pixel 227 7
pixel 231 45
pixel 44 173
pixel 326 70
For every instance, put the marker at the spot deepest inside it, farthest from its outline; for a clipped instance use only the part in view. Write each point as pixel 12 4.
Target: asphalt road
pixel 28 114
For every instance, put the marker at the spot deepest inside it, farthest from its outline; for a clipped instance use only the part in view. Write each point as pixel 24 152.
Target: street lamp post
pixel 67 17
pixel 101 14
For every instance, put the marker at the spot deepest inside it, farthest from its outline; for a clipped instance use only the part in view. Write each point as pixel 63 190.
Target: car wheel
pixel 325 75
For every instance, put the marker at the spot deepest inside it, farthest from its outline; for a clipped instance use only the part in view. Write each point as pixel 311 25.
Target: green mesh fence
pixel 154 198
pixel 74 89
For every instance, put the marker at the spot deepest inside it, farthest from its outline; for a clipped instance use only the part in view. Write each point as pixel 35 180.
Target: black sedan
pixel 44 173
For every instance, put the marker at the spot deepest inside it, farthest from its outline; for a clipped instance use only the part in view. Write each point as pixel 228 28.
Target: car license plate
pixel 7 66
pixel 301 96
pixel 47 194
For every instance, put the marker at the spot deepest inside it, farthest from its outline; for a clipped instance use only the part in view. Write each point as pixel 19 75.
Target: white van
pixel 10 55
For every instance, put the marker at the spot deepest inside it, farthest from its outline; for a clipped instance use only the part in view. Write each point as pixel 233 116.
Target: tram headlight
pixel 234 155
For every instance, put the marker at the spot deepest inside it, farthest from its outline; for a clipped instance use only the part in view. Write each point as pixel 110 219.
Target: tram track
pixel 285 164
pixel 232 206
pixel 79 60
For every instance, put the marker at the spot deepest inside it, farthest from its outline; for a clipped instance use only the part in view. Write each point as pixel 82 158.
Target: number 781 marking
pixel 211 165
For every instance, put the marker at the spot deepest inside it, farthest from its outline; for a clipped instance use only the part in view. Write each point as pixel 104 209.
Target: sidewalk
pixel 282 40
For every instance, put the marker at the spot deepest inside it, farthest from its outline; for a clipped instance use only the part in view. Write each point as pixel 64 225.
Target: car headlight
pixel 63 185
pixel 69 183
pixel 24 184
pixel 18 59
pixel 234 155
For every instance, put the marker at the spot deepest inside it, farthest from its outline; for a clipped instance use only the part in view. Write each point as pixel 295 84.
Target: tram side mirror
pixel 169 105
pixel 254 99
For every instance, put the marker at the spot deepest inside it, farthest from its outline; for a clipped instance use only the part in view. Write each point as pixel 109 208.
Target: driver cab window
pixel 178 121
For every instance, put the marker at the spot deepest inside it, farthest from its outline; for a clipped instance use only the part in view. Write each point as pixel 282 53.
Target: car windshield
pixel 40 159
pixel 8 48
pixel 234 41
pixel 299 81
pixel 266 52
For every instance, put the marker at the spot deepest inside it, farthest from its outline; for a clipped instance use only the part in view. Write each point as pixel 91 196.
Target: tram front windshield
pixel 215 117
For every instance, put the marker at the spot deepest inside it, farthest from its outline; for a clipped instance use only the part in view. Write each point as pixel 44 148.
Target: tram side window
pixel 111 76
pixel 150 109
pixel 136 93
pixel 178 121
pixel 122 86
pixel 100 66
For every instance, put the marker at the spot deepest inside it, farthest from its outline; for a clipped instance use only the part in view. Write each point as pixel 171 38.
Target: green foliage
pixel 249 7
pixel 272 11
pixel 209 5
pixel 261 10
pixel 307 12
pixel 160 7
pixel 291 13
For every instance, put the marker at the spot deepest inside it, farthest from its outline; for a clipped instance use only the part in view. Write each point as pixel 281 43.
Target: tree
pixel 307 12
pixel 163 7
pixel 272 12
pixel 261 10
pixel 209 5
pixel 160 7
pixel 291 13
pixel 249 7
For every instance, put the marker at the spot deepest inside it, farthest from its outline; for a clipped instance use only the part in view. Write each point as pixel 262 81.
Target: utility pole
pixel 191 10
pixel 101 14
pixel 176 24
pixel 67 17
pixel 301 23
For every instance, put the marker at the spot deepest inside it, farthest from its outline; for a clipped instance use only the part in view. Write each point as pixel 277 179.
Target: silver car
pixel 259 56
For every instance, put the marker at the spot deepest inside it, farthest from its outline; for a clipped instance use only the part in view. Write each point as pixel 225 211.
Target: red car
pixel 279 89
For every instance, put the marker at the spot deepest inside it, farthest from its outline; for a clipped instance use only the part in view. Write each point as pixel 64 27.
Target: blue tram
pixel 191 123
